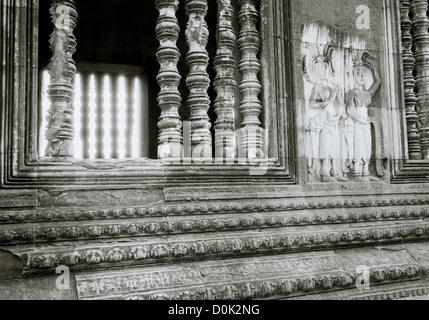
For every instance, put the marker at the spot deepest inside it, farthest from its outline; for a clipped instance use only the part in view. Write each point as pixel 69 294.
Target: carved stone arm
pixel 377 80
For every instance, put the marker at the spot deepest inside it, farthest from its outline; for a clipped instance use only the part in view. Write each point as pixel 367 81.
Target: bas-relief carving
pixel 238 280
pixel 163 226
pixel 340 81
pixel 358 123
pixel 61 215
pixel 200 247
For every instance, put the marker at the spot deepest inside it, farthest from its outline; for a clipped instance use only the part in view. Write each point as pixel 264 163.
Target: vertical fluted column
pixel 249 44
pixel 169 99
pixel 420 23
pixel 225 83
pixel 198 81
pixel 60 131
pixel 414 147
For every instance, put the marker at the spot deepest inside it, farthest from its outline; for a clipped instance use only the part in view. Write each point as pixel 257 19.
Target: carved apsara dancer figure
pixel 358 101
pixel 323 127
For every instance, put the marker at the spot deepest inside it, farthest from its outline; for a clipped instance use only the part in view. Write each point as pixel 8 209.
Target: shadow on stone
pixel 11 265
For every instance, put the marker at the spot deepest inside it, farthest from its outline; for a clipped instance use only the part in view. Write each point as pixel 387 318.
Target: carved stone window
pixel 220 67
pixel 217 66
pixel 114 110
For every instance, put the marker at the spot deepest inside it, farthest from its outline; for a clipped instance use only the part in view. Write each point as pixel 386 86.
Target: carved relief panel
pixel 342 96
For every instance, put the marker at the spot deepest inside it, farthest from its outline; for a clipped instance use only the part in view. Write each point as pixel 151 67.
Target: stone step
pixel 410 290
pixel 117 228
pixel 275 276
pixel 108 253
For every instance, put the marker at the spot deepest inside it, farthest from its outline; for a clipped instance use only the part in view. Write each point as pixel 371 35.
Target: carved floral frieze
pixel 237 245
pixel 202 209
pixel 118 287
pixel 207 224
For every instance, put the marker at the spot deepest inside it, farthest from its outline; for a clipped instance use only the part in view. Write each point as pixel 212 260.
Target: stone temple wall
pixel 291 141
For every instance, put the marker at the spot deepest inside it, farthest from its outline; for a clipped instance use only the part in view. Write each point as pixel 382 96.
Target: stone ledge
pixel 251 278
pixel 87 255
pixel 107 212
pixel 134 227
pixel 412 290
pixel 329 275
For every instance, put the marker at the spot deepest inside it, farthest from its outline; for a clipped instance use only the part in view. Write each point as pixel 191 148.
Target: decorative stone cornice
pixel 171 225
pixel 201 209
pixel 153 250
pixel 253 290
pixel 248 278
pixel 396 295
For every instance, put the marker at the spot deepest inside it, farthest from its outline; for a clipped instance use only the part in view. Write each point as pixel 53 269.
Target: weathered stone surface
pixel 250 277
pixel 414 290
pixel 40 288
pixel 147 229
pixel 420 253
pixel 169 99
pixel 11 265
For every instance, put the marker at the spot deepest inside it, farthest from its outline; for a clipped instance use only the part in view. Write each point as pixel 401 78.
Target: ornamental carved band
pixel 249 45
pixel 198 81
pixel 420 26
pixel 169 98
pixel 414 147
pixel 62 69
pixel 225 83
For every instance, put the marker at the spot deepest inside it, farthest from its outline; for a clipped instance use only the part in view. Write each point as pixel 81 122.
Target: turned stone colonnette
pixel 198 81
pixel 420 26
pixel 415 150
pixel 169 98
pixel 171 139
pixel 225 83
pixel 249 44
pixel 62 69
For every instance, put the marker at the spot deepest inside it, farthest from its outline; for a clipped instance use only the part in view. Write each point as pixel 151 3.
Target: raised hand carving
pixel 340 80
pixel 323 127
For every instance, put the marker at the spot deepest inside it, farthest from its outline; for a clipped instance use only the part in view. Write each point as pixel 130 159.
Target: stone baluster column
pixel 169 98
pixel 225 83
pixel 420 23
pixel 414 147
pixel 198 81
pixel 62 69
pixel 249 44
